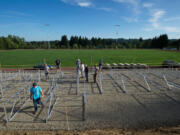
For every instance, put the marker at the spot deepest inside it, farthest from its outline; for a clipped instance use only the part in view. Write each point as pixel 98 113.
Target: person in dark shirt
pixel 100 64
pixel 95 73
pixel 86 73
pixel 58 63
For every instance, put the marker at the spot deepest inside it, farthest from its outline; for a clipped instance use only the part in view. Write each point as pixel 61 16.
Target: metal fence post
pixel 84 103
pixel 5 112
pixel 77 84
pixel 83 108
pixel 2 93
pixel 166 81
pixel 101 82
pixel 147 83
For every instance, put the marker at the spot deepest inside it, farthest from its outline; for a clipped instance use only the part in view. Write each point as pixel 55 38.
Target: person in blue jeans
pixel 86 72
pixel 36 94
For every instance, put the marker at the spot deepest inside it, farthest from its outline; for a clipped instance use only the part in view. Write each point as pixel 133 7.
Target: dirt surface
pixel 134 107
pixel 159 131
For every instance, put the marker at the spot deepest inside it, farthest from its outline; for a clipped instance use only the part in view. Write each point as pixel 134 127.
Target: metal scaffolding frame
pixel 4 84
pixel 52 99
pixel 115 76
pixel 7 76
pixel 16 99
pixel 60 74
pixel 99 82
pixel 77 82
pixel 2 93
pixel 145 80
pixel 167 76
pixel 84 103
pixel 122 81
pixel 16 102
pixel 129 77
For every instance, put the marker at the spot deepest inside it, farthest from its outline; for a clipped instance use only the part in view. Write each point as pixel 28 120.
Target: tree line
pixel 78 42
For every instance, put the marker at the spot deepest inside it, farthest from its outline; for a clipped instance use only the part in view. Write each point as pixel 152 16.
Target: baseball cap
pixel 34 84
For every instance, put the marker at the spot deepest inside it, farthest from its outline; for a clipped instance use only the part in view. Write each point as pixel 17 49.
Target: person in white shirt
pixel 46 70
pixel 82 69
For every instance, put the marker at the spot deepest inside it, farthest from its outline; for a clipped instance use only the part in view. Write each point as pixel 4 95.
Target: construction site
pixel 121 98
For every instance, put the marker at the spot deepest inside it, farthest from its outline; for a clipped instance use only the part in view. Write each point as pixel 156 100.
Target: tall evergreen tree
pixel 163 41
pixel 64 41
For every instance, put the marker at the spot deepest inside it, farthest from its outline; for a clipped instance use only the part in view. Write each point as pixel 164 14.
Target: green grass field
pixel 27 58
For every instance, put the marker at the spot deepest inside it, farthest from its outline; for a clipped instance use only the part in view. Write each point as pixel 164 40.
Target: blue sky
pixel 90 18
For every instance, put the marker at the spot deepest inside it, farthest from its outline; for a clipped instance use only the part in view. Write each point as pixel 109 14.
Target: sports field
pixel 28 58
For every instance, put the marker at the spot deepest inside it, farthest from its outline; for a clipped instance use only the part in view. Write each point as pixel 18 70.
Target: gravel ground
pixel 134 107
pixel 158 131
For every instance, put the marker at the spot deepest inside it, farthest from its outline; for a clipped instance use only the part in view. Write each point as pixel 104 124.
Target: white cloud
pixel 127 1
pixel 90 3
pixel 155 18
pixel 158 18
pixel 156 23
pixel 147 5
pixel 84 4
pixel 87 3
pixel 134 3
pixel 81 3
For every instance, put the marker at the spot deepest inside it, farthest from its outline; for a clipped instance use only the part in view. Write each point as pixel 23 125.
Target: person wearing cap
pixel 36 94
